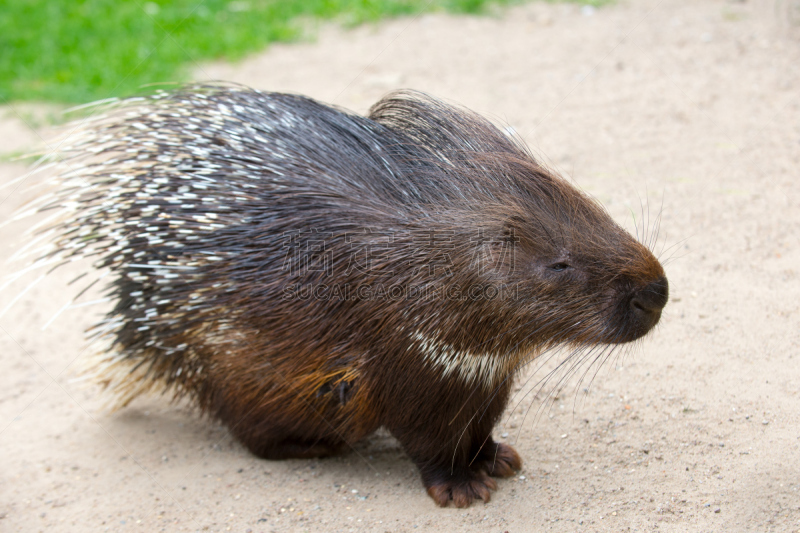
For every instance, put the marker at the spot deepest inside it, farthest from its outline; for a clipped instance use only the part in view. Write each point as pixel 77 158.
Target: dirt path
pixel 689 105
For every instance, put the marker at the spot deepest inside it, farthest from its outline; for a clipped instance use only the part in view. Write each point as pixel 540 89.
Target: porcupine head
pixel 524 263
pixel 307 275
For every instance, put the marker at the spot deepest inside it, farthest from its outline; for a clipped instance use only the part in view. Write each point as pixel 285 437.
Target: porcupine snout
pixel 647 303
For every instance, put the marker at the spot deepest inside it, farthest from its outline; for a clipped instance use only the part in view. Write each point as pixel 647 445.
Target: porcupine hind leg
pixel 302 426
pixel 271 439
pixel 292 448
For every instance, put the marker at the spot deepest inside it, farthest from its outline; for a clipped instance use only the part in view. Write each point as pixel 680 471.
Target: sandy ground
pixel 687 108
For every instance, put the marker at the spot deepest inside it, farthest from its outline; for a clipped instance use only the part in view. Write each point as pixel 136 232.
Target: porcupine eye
pixel 559 267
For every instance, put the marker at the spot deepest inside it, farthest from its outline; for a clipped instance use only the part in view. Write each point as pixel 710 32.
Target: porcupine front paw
pixel 473 483
pixel 461 489
pixel 499 460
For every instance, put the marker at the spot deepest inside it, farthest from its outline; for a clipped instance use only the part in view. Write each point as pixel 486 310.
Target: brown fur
pixel 239 215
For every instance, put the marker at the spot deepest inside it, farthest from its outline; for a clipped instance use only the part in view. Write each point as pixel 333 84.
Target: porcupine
pixel 306 275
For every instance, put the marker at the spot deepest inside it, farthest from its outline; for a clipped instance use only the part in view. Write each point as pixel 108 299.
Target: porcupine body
pixel 307 275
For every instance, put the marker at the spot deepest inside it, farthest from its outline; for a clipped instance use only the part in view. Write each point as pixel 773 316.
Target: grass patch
pixel 81 50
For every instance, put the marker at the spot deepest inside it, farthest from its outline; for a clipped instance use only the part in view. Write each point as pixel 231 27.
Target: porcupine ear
pixel 502 240
pixel 511 229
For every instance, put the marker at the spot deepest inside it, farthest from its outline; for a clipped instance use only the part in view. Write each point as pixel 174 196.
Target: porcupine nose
pixel 648 302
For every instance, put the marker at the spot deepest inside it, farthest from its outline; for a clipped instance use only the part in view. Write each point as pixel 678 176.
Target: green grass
pixel 82 50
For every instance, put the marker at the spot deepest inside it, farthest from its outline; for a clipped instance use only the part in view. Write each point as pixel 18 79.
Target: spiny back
pixel 188 197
